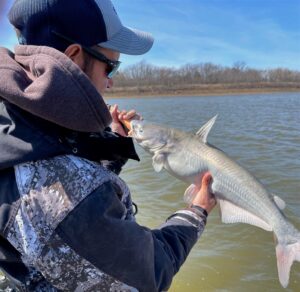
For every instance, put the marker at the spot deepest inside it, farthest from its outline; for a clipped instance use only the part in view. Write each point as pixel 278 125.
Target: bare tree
pixel 143 74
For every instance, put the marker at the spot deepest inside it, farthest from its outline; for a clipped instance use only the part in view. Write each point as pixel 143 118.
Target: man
pixel 66 221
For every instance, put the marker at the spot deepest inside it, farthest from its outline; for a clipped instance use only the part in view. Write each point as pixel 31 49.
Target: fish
pixel 239 194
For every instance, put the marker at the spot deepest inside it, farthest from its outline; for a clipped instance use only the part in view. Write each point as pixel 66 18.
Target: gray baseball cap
pixel 88 22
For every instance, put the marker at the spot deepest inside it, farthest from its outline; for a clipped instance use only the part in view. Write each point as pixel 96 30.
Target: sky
pixel 264 34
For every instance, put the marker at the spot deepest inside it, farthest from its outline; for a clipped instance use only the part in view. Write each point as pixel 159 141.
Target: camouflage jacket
pixel 74 228
pixel 49 191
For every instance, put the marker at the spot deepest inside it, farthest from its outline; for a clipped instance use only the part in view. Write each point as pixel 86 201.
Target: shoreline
pixel 200 90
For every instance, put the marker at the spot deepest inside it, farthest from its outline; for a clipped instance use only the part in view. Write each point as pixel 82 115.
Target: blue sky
pixel 262 33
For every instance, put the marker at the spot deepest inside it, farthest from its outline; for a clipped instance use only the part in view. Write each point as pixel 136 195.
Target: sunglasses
pixel 112 65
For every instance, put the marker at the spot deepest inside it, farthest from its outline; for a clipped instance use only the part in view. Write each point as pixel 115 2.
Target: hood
pixel 47 84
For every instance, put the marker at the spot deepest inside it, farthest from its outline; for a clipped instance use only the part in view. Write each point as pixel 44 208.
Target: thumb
pixel 114 112
pixel 206 179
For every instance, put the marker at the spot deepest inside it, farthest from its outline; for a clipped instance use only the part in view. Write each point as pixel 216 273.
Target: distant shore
pixel 202 90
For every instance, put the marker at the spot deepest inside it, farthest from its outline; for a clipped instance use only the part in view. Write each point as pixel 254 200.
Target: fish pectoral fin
pixel 231 213
pixel 190 193
pixel 279 202
pixel 158 162
pixel 205 129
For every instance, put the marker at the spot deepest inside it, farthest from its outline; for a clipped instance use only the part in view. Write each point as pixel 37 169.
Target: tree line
pixel 144 74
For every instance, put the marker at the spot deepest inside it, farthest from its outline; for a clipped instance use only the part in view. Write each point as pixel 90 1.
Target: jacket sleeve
pixel 140 257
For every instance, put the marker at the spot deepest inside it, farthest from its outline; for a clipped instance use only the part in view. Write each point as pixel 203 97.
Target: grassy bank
pixel 202 89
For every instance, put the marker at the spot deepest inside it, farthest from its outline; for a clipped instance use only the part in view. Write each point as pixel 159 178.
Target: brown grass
pixel 203 89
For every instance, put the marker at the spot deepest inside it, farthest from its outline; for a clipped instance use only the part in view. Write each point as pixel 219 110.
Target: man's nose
pixel 110 83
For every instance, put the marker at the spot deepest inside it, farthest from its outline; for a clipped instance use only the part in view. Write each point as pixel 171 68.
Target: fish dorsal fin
pixel 158 160
pixel 231 213
pixel 205 129
pixel 279 202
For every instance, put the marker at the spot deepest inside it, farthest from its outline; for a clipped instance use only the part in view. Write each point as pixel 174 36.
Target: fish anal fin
pixel 205 129
pixel 190 193
pixel 158 161
pixel 231 213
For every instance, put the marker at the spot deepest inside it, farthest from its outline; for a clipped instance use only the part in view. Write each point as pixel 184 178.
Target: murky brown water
pixel 261 132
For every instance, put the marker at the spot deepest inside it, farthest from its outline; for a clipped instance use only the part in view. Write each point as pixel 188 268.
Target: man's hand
pixel 204 198
pixel 119 117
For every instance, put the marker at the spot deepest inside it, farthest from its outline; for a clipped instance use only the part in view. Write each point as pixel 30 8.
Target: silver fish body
pixel 241 197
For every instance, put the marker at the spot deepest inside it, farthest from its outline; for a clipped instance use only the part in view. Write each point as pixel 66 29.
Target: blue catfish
pixel 241 197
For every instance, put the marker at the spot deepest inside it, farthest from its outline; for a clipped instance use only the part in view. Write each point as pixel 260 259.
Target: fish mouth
pixel 133 133
pixel 138 140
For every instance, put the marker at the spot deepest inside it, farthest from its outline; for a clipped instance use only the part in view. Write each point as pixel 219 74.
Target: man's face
pixel 97 70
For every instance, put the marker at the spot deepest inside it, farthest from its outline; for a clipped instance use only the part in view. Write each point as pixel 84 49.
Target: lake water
pixel 262 133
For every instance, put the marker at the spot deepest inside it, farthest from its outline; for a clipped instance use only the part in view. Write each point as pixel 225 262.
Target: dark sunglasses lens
pixel 112 70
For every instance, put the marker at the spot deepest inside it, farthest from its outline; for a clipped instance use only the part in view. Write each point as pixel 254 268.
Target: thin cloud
pixel 258 39
pixel 261 33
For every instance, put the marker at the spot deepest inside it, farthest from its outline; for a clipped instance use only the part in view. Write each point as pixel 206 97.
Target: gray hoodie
pixel 67 222
pixel 27 80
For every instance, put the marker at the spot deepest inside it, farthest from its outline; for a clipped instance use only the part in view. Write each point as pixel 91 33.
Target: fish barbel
pixel 241 197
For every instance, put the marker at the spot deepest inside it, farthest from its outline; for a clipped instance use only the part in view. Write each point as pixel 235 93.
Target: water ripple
pixel 262 133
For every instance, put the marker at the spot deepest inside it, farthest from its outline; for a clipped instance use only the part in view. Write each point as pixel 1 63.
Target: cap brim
pixel 130 41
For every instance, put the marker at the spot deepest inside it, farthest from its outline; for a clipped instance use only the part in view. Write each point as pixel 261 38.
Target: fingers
pixel 124 115
pixel 130 115
pixel 122 118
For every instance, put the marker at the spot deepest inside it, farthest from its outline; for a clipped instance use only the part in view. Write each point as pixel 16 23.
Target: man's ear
pixel 75 53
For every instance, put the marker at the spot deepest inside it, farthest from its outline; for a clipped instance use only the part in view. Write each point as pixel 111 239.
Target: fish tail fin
pixel 286 255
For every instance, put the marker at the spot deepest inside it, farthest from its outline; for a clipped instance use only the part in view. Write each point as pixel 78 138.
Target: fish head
pixel 150 137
